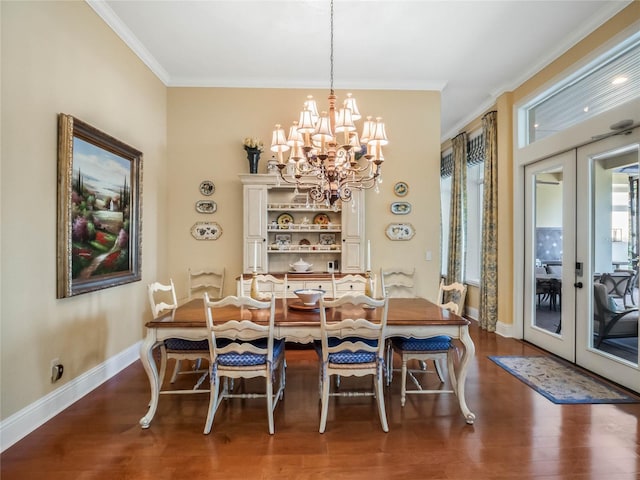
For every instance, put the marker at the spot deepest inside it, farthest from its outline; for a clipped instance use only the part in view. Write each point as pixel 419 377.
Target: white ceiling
pixel 472 51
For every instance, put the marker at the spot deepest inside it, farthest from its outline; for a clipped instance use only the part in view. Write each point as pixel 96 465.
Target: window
pixel 475 181
pixel 611 80
pixel 475 184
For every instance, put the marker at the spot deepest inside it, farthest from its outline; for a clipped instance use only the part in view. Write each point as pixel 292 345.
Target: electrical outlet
pixel 427 256
pixel 56 370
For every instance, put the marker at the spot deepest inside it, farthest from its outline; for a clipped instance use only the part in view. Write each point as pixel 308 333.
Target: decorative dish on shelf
pixel 284 219
pixel 300 266
pixel 321 219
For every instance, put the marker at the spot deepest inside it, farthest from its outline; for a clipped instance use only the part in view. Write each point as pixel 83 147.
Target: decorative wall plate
pixel 206 206
pixel 206 231
pixel 400 231
pixel 207 188
pixel 400 208
pixel 401 189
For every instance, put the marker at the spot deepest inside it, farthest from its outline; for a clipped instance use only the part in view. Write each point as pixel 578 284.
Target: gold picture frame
pixel 99 209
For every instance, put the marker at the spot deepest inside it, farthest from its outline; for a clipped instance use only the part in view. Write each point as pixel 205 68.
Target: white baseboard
pixel 471 312
pixel 25 421
pixel 502 329
pixel 505 330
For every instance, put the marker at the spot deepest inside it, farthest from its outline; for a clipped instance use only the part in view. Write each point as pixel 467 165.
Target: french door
pixel 607 232
pixel 550 203
pixel 581 225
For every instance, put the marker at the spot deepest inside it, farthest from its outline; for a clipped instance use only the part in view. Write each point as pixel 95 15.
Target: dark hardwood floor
pixel 518 434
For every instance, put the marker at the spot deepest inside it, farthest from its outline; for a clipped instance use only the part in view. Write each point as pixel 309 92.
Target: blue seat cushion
pixel 233 359
pixel 346 357
pixel 180 344
pixel 441 342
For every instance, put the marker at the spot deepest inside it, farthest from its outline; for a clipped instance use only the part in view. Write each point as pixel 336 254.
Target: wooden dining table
pixel 407 317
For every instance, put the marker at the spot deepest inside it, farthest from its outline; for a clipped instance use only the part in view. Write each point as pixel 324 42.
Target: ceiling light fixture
pixel 619 80
pixel 325 150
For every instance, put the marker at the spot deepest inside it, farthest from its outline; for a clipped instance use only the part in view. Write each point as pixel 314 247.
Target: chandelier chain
pixel 331 50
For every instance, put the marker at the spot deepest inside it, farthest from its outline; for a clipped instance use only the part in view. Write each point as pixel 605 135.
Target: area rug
pixel 560 381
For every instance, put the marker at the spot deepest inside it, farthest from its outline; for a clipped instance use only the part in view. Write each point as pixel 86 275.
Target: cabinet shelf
pixel 299 207
pixel 293 227
pixel 303 249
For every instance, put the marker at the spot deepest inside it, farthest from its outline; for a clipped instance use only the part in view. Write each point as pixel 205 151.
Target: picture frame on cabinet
pixel 99 209
pixel 327 239
pixel 283 239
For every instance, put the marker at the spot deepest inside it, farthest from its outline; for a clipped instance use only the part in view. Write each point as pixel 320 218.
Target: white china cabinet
pixel 282 226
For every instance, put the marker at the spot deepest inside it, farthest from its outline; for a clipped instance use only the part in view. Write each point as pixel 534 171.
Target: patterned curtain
pixel 458 211
pixel 489 250
pixel 633 221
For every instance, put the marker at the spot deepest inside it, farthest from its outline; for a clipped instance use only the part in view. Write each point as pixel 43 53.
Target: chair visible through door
pixel 609 322
pixel 243 348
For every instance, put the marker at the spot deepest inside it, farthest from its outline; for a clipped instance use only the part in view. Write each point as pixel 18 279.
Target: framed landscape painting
pixel 99 189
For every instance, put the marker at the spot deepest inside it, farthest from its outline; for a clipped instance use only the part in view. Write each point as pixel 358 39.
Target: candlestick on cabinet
pixel 368 286
pixel 368 255
pixel 254 287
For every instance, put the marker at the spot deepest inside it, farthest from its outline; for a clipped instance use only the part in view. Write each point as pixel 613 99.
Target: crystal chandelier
pixel 326 153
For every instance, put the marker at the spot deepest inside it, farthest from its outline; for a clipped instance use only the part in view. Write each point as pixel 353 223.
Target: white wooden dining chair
pixel 438 349
pixel 244 349
pixel 349 285
pixel 210 280
pixel 398 282
pixel 162 299
pixel 268 286
pixel 352 347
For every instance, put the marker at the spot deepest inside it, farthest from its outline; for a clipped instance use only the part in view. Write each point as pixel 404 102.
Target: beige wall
pixel 205 131
pixel 61 57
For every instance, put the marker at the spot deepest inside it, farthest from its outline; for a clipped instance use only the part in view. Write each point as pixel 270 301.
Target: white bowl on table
pixel 309 296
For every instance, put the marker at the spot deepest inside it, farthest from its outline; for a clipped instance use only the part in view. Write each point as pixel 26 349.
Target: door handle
pixel 578 285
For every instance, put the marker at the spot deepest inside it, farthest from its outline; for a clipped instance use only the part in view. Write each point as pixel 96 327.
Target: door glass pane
pixel 548 249
pixel 614 223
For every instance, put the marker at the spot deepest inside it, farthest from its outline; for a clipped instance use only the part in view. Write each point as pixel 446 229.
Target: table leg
pixel 467 356
pixel 146 357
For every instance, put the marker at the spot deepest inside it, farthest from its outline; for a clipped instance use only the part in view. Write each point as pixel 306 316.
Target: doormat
pixel 560 381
